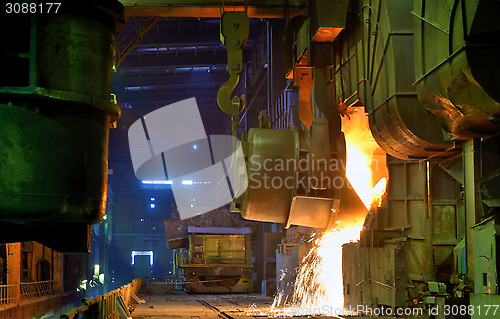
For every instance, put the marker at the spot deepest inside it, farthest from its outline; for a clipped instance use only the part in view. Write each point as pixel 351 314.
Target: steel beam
pixel 471 161
pixel 215 78
pixel 190 35
pixel 139 108
pixel 208 36
pixel 167 60
pixel 187 60
pixel 212 8
pixel 138 96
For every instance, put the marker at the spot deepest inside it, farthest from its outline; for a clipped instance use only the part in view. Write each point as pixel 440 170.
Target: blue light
pixel 153 205
pixel 152 199
pixel 142 253
pixel 157 182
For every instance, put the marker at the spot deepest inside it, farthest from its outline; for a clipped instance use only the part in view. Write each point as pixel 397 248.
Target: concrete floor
pixel 231 306
pixel 185 306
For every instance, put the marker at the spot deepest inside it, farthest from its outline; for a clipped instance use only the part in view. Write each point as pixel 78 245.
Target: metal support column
pixel 471 162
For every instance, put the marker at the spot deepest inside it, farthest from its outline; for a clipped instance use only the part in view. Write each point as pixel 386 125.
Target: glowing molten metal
pixel 318 288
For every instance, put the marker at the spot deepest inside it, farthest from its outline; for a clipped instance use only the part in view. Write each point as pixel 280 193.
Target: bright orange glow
pixel 358 173
pixel 318 287
pixel 377 192
pixel 319 280
pixel 363 168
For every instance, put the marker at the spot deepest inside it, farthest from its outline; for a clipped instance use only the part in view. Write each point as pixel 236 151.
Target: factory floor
pixel 230 306
pixel 184 306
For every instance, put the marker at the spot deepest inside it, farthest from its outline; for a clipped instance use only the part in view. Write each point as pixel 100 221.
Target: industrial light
pixel 83 285
pixel 142 253
pixel 153 205
pixel 157 182
pixel 187 182
pixel 152 199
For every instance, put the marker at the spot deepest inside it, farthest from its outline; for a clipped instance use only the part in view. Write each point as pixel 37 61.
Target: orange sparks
pixel 318 286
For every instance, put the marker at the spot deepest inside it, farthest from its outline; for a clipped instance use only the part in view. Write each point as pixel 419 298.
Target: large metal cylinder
pixel 397 122
pixel 55 115
pixel 272 176
pixel 373 65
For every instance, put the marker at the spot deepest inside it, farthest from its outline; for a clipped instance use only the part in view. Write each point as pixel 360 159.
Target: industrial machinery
pixel 213 252
pixel 423 71
pixel 427 91
pixel 304 166
pixel 219 259
pixel 55 118
pixel 426 74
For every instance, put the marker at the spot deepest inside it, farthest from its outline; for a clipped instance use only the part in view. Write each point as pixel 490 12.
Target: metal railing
pixel 37 289
pixel 114 304
pixel 13 294
pixel 8 294
pixel 280 111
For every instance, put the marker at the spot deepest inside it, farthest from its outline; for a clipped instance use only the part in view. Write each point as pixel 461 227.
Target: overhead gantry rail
pixel 212 8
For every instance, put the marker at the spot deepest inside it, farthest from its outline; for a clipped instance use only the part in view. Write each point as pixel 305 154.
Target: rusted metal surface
pixel 328 18
pixel 407 242
pixel 310 211
pixel 303 76
pixel 455 63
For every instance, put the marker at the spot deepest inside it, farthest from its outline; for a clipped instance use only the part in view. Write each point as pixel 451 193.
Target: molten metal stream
pixel 318 288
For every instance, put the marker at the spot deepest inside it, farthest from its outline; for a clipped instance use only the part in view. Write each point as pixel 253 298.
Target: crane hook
pixel 234 29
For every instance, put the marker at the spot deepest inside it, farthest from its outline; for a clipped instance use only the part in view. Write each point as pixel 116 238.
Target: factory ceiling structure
pixel 331 155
